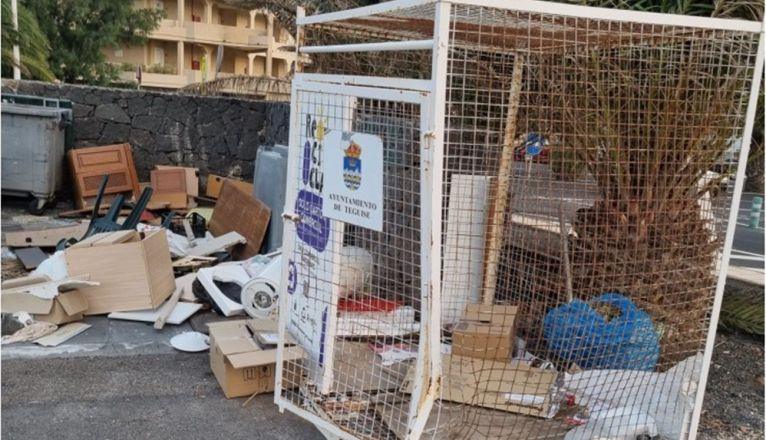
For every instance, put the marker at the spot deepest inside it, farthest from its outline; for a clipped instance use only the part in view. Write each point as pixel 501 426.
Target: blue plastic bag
pixel 578 333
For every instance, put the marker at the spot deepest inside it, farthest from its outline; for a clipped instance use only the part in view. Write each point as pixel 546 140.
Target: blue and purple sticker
pixel 314 228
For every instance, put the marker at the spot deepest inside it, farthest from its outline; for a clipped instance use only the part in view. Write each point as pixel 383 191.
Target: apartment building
pixel 184 49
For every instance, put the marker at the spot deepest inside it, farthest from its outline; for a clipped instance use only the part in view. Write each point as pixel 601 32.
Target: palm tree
pixel 33 44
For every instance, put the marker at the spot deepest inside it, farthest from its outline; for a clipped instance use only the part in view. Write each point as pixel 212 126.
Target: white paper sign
pixel 353 179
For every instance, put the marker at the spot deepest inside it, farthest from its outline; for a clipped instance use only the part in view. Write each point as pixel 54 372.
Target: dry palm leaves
pixel 648 123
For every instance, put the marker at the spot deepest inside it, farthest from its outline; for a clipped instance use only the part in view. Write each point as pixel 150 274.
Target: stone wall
pixel 216 134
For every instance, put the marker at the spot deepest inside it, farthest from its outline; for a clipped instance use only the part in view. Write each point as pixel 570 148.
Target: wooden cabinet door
pixel 90 164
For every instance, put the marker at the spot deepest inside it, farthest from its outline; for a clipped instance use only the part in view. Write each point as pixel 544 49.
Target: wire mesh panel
pixel 354 290
pixel 588 170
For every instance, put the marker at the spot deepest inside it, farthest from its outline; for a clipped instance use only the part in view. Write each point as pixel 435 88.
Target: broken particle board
pixel 239 211
pixel 44 237
pixel 215 185
pixel 63 334
pixel 185 284
pixel 42 288
pixel 180 313
pixel 191 263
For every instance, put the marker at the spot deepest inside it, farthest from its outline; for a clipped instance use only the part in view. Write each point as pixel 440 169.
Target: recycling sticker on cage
pixel 353 179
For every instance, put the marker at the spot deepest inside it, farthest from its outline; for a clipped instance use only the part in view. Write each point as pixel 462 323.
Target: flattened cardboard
pixel 493 384
pixel 240 212
pixel 135 274
pixel 486 332
pixel 240 365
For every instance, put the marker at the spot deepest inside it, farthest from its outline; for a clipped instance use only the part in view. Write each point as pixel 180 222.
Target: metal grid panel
pixel 362 395
pixel 583 155
pixel 607 147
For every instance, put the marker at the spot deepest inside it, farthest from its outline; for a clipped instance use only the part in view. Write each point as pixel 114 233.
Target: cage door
pixel 352 243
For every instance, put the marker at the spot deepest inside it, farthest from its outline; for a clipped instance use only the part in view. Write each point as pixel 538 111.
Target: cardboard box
pixel 241 366
pixel 68 306
pixel 514 387
pixel 486 332
pixel 134 270
pixel 215 184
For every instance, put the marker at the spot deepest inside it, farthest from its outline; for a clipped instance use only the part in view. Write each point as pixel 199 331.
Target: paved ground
pixel 165 396
pixel 748 246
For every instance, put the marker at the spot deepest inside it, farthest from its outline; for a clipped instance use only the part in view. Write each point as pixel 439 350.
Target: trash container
pixel 42 101
pixel 33 139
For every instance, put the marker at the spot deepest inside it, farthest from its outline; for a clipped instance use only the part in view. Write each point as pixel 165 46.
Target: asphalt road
pixel 166 396
pixel 748 245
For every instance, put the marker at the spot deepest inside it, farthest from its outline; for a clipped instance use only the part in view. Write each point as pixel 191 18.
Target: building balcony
pixel 214 34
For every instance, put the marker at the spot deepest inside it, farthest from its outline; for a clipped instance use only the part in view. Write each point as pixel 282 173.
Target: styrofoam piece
pixel 180 313
pixel 395 323
pixel 234 273
pixel 191 342
pixel 464 245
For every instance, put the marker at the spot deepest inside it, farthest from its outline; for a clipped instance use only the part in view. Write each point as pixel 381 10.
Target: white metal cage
pixel 546 202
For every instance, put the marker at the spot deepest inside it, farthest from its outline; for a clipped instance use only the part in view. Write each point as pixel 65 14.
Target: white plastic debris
pixel 624 423
pixel 54 267
pixel 393 353
pixel 665 399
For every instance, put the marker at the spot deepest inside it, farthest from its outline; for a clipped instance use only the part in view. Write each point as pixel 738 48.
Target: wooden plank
pixel 239 211
pixel 495 234
pixel 44 237
pixel 168 308
pixel 217 244
pixel 63 334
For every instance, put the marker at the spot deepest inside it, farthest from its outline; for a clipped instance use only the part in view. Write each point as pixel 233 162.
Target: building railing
pixel 208 33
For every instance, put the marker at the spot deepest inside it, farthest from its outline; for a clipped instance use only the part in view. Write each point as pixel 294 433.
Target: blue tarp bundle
pixel 578 333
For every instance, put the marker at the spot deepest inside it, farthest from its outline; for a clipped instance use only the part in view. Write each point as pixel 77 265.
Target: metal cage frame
pixel 431 95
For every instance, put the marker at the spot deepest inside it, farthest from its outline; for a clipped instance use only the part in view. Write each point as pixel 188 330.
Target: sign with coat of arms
pixel 353 178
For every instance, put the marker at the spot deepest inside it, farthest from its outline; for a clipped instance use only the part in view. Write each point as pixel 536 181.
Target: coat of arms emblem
pixel 352 166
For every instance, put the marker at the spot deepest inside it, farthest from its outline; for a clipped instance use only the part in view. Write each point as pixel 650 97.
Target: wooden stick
pixel 168 307
pixel 565 249
pixel 497 217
